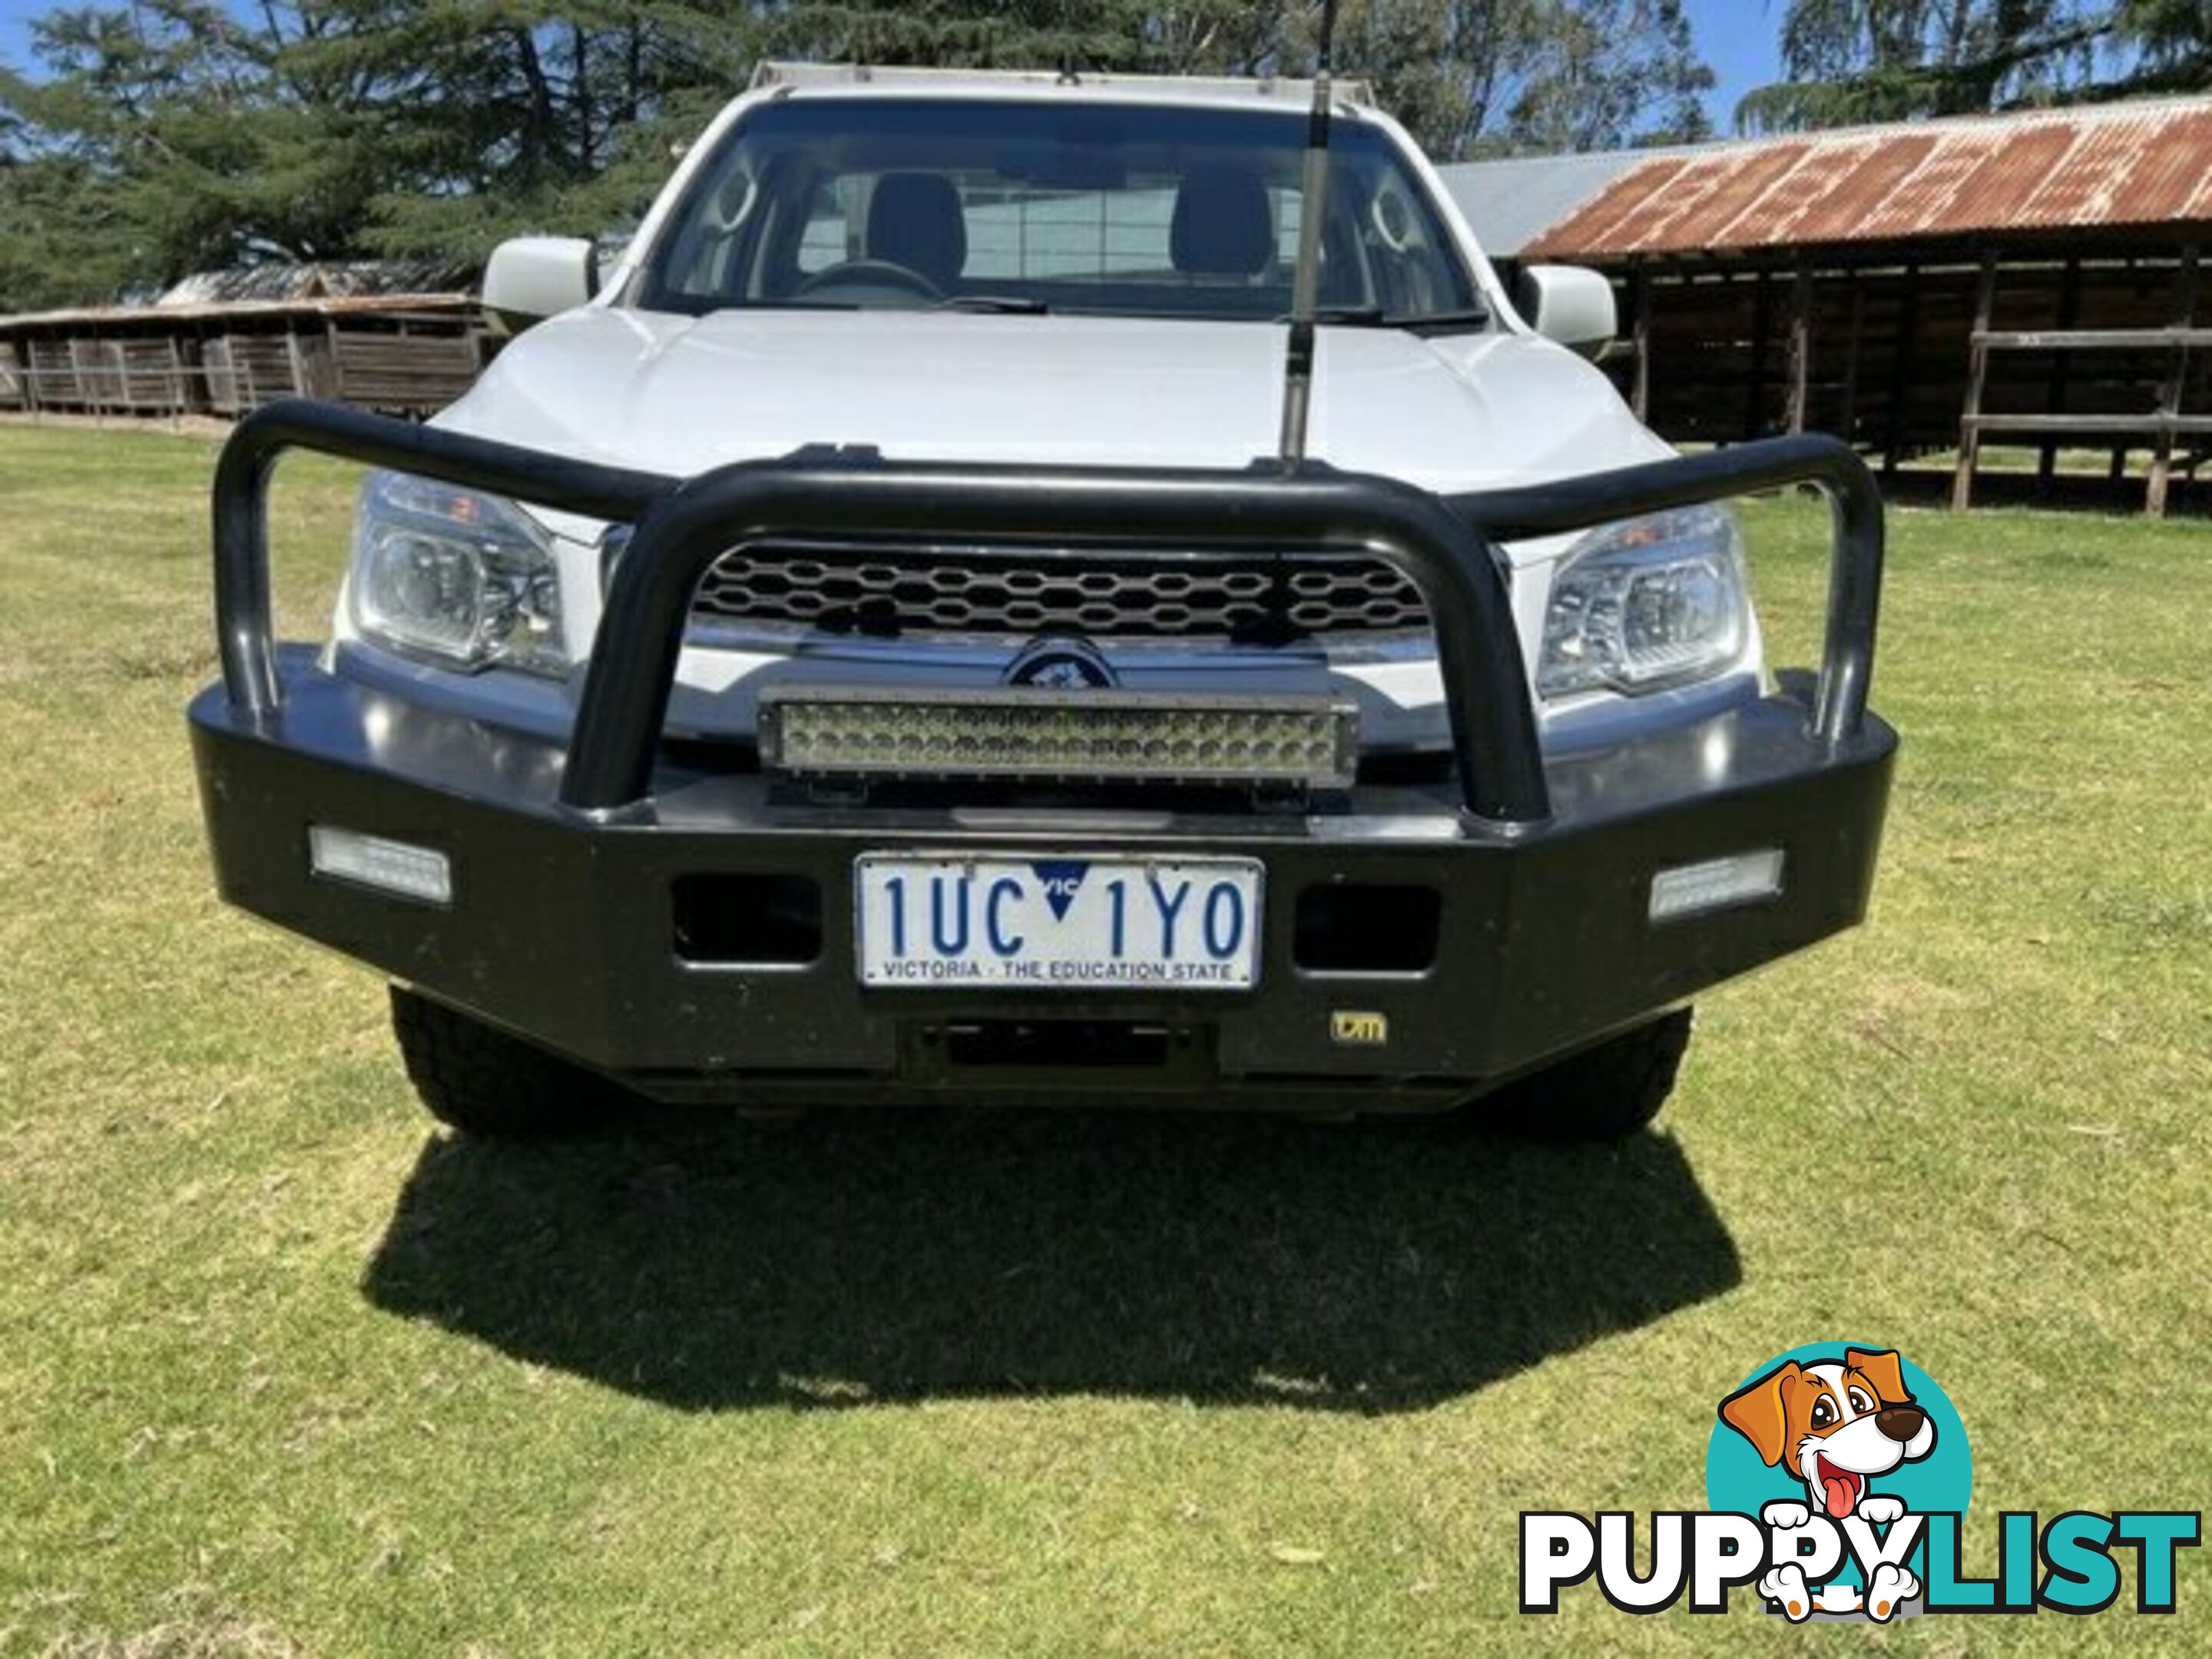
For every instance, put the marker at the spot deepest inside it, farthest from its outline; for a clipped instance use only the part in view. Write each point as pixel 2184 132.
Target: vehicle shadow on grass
pixel 882 1255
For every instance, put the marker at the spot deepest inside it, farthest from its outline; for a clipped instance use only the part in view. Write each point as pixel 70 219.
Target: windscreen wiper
pixel 1009 305
pixel 1425 323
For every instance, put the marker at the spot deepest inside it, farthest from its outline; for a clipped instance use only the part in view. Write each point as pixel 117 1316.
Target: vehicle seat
pixel 915 220
pixel 1222 225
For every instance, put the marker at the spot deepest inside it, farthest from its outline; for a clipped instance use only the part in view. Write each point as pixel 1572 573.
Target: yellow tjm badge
pixel 1358 1027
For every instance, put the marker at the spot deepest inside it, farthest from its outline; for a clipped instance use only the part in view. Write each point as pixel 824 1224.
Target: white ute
pixel 987 597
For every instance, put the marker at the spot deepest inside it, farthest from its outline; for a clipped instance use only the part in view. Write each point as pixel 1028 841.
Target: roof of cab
pixel 1213 90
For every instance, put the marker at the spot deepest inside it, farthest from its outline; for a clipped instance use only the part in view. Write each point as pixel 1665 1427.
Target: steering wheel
pixel 869 278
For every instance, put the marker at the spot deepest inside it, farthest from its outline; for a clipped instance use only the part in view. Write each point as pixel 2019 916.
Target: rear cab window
pixel 1107 209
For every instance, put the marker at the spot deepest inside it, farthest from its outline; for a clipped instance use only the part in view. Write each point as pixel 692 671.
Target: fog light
pixel 1690 890
pixel 422 873
pixel 1018 732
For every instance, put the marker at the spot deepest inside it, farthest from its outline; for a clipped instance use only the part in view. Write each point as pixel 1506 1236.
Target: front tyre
pixel 1605 1092
pixel 478 1079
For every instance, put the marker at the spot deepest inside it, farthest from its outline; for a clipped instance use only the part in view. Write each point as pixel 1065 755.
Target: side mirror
pixel 531 278
pixel 1570 305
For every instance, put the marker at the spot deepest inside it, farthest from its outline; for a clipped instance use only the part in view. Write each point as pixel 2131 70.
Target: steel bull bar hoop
pixel 1446 549
pixel 1061 513
pixel 1174 516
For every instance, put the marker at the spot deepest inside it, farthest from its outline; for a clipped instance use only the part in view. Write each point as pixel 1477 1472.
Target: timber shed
pixel 403 338
pixel 1928 290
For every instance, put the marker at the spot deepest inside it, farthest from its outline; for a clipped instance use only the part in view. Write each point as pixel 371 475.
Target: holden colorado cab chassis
pixel 860 652
pixel 689 932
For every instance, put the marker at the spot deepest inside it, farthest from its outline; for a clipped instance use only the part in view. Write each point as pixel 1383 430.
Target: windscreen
pixel 1039 205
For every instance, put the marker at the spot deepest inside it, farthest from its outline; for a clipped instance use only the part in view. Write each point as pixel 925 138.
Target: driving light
pixel 1691 890
pixel 422 873
pixel 1647 604
pixel 1021 733
pixel 464 579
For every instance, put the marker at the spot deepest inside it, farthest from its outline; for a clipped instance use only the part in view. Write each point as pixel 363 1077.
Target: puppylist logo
pixel 1836 1478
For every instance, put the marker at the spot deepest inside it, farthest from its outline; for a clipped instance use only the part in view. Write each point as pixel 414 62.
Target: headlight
pixel 465 579
pixel 1646 604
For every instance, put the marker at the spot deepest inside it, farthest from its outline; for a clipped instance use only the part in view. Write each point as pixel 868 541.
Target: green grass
pixel 283 1369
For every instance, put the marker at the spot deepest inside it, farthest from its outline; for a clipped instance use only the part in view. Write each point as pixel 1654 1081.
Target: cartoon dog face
pixel 1834 1426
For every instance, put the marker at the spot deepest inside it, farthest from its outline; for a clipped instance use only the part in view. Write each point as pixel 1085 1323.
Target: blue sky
pixel 1736 37
pixel 13 14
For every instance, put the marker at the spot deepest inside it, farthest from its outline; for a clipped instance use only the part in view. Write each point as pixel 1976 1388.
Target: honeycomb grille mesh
pixel 936 591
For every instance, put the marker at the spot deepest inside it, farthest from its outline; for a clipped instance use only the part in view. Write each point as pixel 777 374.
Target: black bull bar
pixel 1447 545
pixel 573 858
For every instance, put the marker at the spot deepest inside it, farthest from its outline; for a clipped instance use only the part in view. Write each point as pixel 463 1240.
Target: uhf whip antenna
pixel 1305 291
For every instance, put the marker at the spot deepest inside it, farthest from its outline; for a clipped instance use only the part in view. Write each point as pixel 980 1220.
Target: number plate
pixel 1059 923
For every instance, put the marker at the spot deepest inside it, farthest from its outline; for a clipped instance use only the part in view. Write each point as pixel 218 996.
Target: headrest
pixel 915 220
pixel 1224 225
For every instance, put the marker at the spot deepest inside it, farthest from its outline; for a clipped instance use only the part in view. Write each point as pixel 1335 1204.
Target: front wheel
pixel 482 1082
pixel 1605 1092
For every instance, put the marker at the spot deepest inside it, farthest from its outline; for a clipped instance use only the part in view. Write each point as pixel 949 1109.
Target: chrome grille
pixel 934 591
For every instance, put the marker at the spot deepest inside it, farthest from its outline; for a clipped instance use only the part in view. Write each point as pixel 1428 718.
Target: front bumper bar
pixel 565 858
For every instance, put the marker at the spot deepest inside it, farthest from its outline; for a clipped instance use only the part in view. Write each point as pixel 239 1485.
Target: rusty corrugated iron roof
pixel 158 317
pixel 275 281
pixel 1505 203
pixel 2114 165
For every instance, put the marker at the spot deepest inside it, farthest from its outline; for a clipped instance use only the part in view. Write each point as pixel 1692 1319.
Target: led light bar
pixel 1691 890
pixel 422 873
pixel 1017 731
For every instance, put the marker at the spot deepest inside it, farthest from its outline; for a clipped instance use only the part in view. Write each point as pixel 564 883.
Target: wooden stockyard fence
pixel 401 354
pixel 2108 373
